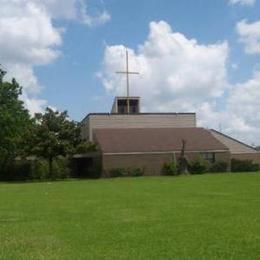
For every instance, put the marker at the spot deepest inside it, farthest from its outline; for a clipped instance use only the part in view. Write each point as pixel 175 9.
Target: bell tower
pixel 126 105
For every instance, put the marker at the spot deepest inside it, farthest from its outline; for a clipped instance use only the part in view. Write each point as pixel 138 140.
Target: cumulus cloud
pixel 242 2
pixel 249 34
pixel 168 62
pixel 180 74
pixel 91 20
pixel 74 10
pixel 28 38
pixel 243 102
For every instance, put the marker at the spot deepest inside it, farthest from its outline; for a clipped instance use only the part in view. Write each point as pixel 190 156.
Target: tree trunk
pixel 183 163
pixel 51 169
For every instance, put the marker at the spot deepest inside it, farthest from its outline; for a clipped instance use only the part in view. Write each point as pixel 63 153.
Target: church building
pixel 127 138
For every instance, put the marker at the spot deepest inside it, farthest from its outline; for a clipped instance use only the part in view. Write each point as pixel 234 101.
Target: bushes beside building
pixel 29 170
pixel 244 166
pixel 219 167
pixel 170 169
pixel 199 166
pixel 126 172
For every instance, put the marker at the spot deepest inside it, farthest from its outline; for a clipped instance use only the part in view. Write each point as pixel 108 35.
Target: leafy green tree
pixel 14 121
pixel 54 135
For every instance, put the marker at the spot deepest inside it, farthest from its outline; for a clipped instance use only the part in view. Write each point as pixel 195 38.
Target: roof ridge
pixel 234 139
pixel 144 113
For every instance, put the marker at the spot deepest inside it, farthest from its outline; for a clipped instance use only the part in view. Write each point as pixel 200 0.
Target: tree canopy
pixel 45 135
pixel 14 120
pixel 54 135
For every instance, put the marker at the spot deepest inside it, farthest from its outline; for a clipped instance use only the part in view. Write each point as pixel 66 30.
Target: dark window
pixel 210 157
pixel 122 106
pixel 134 106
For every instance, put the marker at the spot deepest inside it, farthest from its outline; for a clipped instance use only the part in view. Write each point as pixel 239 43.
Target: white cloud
pixel 65 9
pixel 168 62
pixel 179 74
pixel 242 2
pixel 243 102
pixel 75 10
pixel 34 105
pixel 28 38
pixel 91 20
pixel 249 35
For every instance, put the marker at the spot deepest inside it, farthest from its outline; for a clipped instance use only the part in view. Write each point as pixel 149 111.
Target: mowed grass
pixel 214 216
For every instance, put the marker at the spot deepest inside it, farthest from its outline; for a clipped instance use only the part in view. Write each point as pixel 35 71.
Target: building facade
pixel 128 138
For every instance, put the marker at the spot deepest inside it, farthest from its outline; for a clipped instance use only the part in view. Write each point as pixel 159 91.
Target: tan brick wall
pixel 247 156
pixel 152 163
pixel 135 121
pixel 224 157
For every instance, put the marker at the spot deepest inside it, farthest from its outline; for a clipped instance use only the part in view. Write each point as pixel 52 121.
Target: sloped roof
pixel 156 140
pixel 235 146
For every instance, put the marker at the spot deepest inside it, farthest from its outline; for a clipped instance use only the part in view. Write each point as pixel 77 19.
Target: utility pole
pixel 127 73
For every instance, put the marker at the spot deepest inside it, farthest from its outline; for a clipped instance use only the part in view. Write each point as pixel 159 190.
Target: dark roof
pixel 116 114
pixel 156 140
pixel 125 97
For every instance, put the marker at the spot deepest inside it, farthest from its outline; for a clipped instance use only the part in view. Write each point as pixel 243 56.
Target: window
pixel 122 106
pixel 210 157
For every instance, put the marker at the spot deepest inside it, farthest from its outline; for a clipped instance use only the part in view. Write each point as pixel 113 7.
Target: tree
pixel 183 162
pixel 14 121
pixel 54 134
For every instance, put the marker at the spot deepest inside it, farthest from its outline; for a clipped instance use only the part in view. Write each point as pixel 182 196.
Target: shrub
pixel 95 171
pixel 24 170
pixel 243 166
pixel 86 147
pixel 117 172
pixel 40 170
pixel 170 169
pixel 20 171
pixel 16 171
pixel 124 172
pixel 136 172
pixel 61 168
pixel 218 167
pixel 198 166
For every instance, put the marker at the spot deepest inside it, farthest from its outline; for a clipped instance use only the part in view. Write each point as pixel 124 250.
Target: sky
pixel 198 56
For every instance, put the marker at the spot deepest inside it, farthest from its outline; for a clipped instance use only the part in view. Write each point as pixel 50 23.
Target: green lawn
pixel 190 217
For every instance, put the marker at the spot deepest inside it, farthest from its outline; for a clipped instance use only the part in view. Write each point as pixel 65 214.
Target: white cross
pixel 127 72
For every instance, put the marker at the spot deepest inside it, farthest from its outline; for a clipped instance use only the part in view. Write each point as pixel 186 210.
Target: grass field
pixel 190 217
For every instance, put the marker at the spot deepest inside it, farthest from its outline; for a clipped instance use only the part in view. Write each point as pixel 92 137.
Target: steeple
pixel 126 104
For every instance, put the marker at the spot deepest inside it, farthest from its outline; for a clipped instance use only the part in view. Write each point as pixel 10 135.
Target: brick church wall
pixel 152 163
pixel 255 157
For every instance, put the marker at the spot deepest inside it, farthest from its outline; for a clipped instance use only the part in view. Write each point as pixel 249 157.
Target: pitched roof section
pixel 156 140
pixel 235 146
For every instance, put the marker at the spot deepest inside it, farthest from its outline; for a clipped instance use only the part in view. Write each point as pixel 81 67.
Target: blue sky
pixel 70 71
pixel 71 82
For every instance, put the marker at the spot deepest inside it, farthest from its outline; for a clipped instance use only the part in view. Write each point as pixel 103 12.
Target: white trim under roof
pixel 162 152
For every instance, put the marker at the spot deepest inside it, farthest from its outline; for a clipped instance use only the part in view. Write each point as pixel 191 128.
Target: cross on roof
pixel 127 72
